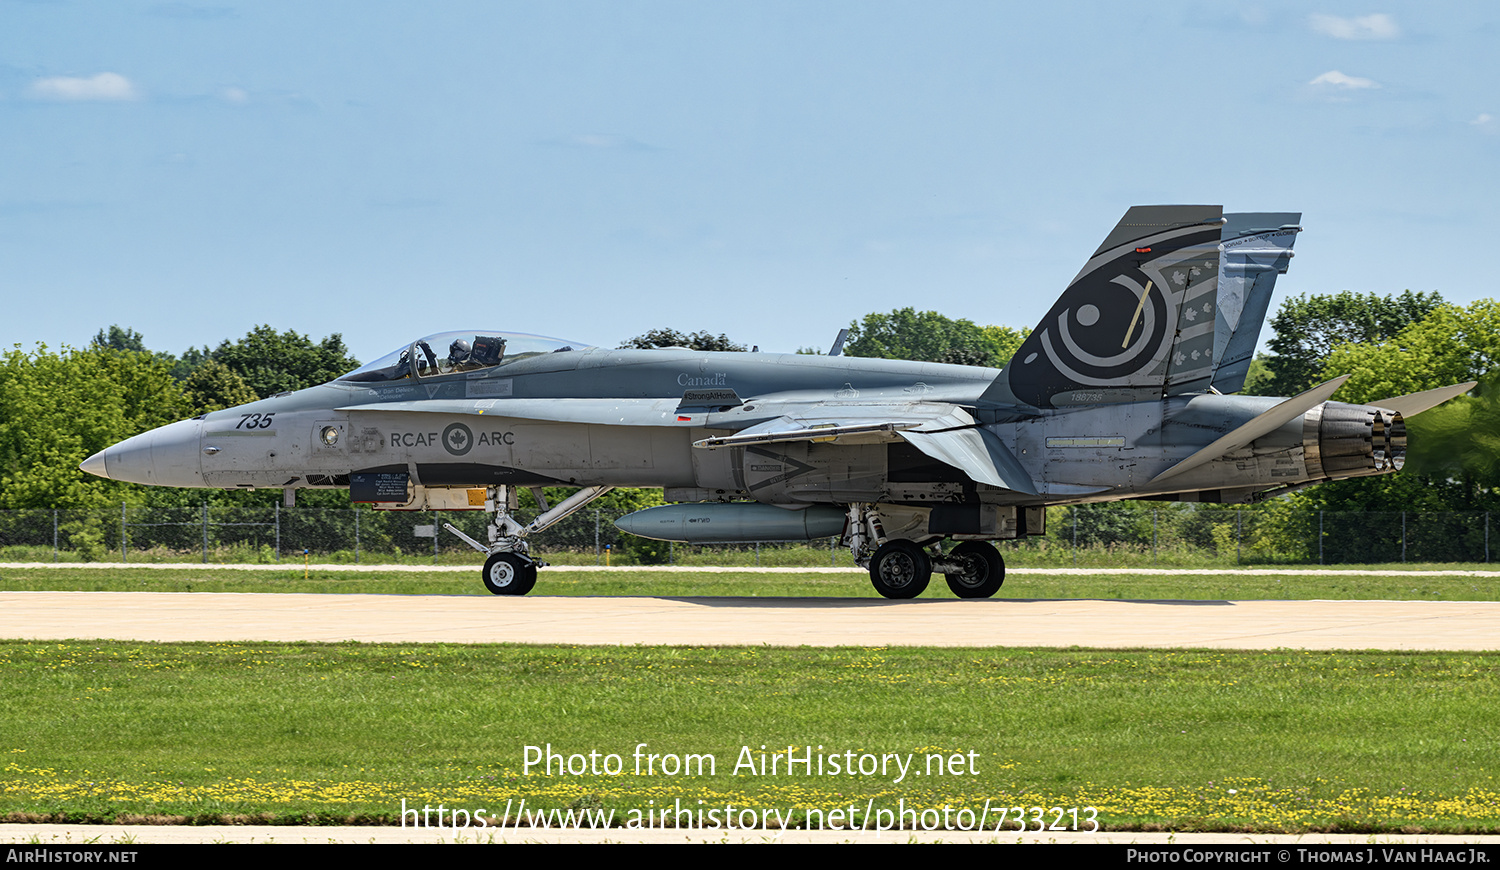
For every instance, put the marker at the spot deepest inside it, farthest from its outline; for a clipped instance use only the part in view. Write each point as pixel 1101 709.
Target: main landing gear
pixel 982 572
pixel 510 570
pixel 901 568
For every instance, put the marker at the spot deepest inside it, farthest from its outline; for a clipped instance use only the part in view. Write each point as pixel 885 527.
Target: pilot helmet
pixel 459 350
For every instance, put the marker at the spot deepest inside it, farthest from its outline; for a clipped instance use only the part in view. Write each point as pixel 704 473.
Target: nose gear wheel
pixel 509 574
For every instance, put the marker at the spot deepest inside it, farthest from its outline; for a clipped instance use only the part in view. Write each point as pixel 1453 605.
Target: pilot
pixel 460 355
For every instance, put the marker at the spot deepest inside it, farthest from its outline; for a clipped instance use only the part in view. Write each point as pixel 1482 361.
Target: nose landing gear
pixel 509 574
pixel 510 570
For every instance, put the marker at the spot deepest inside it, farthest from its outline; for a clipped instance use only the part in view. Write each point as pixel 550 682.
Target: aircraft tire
pixel 984 573
pixel 509 574
pixel 900 569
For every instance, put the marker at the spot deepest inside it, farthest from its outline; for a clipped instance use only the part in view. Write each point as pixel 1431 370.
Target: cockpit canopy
pixel 446 353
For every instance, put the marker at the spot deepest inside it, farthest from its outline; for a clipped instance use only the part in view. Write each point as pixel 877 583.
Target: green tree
pixel 1460 437
pixel 58 408
pixel 119 338
pixel 271 362
pixel 183 366
pixel 1102 524
pixel 693 341
pixel 1006 341
pixel 929 336
pixel 213 386
pixel 618 502
pixel 1446 346
pixel 122 339
pixel 1308 328
pixel 1453 454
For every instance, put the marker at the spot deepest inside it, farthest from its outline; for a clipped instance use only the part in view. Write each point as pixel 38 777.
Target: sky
pixel 767 170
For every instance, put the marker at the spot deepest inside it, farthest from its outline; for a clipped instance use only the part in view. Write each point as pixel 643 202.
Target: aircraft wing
pixel 945 432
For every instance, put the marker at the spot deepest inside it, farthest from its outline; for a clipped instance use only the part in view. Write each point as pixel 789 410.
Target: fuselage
pixel 630 418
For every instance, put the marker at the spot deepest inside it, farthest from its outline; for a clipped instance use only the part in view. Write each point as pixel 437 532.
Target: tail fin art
pixel 1172 302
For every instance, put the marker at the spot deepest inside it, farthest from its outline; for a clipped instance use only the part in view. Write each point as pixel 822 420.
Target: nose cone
pixel 168 456
pixel 95 465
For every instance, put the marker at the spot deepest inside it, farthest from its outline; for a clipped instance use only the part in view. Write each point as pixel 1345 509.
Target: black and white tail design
pixel 1146 318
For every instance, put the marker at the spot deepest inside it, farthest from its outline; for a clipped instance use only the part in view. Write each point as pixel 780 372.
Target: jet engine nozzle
pixel 1342 441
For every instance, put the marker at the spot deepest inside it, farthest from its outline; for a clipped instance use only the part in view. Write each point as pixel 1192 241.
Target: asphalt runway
pixel 223 616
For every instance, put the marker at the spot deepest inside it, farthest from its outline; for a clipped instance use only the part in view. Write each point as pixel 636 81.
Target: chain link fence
pixel 234 535
pixel 1091 535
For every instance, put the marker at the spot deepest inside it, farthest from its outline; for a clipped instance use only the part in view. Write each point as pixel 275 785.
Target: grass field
pixel 1186 740
pixel 1179 740
pixel 1372 582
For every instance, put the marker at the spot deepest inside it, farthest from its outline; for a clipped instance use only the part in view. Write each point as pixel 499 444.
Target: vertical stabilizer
pixel 1137 323
pixel 1256 247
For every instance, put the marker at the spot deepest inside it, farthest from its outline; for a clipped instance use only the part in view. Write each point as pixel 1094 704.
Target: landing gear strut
pixel 510 570
pixel 901 567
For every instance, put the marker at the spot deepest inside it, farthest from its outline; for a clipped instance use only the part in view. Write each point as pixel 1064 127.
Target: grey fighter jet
pixel 1120 392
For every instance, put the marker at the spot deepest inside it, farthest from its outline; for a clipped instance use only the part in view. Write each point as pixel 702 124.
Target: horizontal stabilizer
pixel 977 453
pixel 1264 424
pixel 1413 404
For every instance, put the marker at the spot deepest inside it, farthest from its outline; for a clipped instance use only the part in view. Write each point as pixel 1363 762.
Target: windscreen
pixel 447 353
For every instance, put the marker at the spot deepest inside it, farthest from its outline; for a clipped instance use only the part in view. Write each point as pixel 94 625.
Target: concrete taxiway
pixel 199 616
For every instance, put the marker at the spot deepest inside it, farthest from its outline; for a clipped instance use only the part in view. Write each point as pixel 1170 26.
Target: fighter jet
pixel 1121 392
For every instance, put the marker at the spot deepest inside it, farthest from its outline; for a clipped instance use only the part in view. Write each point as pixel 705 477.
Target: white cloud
pixel 104 86
pixel 1379 26
pixel 1486 123
pixel 1335 79
pixel 234 95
